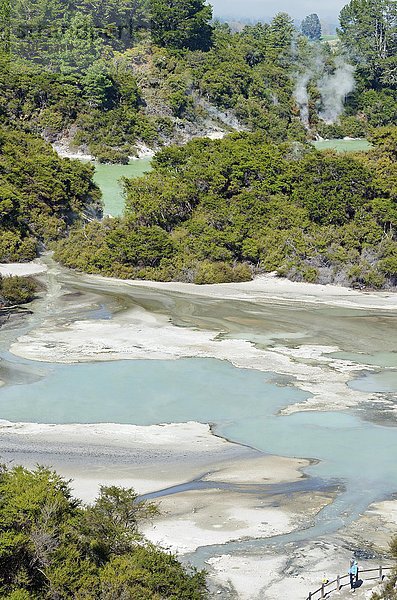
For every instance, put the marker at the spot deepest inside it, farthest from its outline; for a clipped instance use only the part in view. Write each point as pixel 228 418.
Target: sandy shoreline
pixel 138 334
pixel 64 151
pixel 22 269
pixel 152 458
pixel 238 503
pixel 148 458
pixel 262 288
pixel 270 287
pixel 194 519
pixel 191 445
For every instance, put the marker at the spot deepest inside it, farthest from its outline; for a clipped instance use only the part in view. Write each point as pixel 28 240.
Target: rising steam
pixel 333 88
pixel 301 96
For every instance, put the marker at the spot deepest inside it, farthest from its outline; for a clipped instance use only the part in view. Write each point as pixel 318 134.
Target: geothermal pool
pixel 243 405
pixel 344 145
pixel 107 177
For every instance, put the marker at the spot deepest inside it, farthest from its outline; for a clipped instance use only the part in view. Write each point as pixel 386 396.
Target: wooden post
pixel 322 591
pixel 310 596
pixel 338 582
pixel 380 572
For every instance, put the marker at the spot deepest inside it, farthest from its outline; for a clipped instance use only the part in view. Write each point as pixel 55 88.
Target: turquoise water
pixel 145 392
pixel 107 178
pixel 241 403
pixel 378 359
pixel 385 382
pixel 361 454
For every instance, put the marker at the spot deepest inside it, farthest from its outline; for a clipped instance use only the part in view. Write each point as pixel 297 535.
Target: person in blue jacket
pixel 353 573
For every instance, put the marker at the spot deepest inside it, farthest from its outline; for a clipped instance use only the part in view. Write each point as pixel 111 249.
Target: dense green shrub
pixel 17 290
pixel 41 195
pixel 220 272
pixel 216 211
pixel 53 546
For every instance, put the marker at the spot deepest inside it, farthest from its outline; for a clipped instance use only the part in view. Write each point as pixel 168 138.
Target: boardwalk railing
pixel 336 584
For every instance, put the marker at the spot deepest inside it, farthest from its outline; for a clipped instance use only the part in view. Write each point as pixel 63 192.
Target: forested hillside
pixel 106 76
pixel 222 210
pixel 41 195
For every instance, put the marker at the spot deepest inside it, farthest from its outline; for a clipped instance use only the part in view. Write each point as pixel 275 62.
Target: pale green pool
pixel 107 177
pixel 342 145
pixel 383 382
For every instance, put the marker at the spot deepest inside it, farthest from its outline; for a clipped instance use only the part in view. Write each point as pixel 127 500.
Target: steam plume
pixel 333 88
pixel 301 96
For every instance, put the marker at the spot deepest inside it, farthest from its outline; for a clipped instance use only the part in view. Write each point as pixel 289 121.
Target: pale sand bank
pixel 22 269
pixel 378 524
pixel 147 458
pixel 152 458
pixel 267 469
pixel 188 437
pixel 246 576
pixel 64 151
pixel 139 334
pixel 293 574
pixel 193 519
pixel 270 287
pixel 263 288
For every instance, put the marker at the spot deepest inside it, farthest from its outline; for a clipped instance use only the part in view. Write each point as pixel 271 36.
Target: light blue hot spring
pixel 242 405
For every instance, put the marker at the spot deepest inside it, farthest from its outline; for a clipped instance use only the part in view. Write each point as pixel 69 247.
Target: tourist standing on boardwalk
pixel 353 573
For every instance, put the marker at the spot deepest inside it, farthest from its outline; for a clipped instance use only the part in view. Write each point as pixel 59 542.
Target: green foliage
pixel 152 575
pixel 311 27
pixel 119 72
pixel 52 546
pixel 220 272
pixel 379 107
pixel 76 70
pixel 17 290
pixel 217 211
pixel 386 139
pixel 332 188
pixel 109 73
pixel 41 195
pixel 368 31
pixel 181 24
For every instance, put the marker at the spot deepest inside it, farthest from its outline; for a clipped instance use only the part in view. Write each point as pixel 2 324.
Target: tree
pixel 99 89
pixel 281 31
pixel 52 546
pixel 17 290
pixel 117 21
pixel 80 45
pixel 311 27
pixel 182 24
pixel 332 188
pixel 386 139
pixel 40 194
pixel 368 31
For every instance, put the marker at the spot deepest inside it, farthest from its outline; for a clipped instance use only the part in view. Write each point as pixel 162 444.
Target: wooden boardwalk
pixel 342 583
